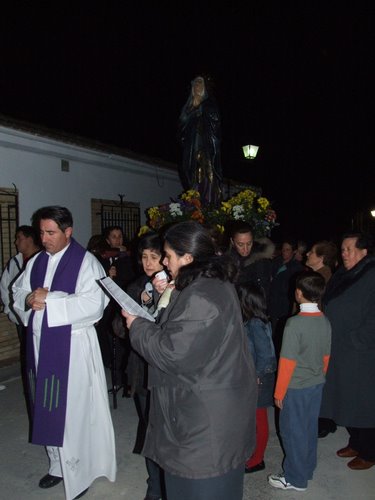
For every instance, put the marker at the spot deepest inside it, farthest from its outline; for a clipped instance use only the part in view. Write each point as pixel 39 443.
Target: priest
pixel 59 300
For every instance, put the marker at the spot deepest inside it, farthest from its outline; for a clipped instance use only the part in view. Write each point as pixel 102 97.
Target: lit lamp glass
pixel 373 213
pixel 250 151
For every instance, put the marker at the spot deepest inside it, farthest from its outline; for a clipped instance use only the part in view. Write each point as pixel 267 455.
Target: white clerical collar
pixel 309 307
pixel 59 254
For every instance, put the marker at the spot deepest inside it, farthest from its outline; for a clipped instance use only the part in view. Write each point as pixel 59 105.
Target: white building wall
pixel 33 164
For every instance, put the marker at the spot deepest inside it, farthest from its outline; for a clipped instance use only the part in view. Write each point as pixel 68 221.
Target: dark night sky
pixel 294 81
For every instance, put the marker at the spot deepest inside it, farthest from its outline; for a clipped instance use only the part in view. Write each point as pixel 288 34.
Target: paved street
pixel 23 464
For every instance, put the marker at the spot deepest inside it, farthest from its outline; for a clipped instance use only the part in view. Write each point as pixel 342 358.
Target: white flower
pixel 238 208
pixel 175 209
pixel 238 212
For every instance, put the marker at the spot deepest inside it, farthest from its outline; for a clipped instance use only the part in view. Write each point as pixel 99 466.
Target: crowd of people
pixel 235 327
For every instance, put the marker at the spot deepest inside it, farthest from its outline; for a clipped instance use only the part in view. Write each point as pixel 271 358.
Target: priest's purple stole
pixel 48 384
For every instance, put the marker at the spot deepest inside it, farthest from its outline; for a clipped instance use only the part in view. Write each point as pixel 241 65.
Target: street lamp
pixel 373 213
pixel 250 151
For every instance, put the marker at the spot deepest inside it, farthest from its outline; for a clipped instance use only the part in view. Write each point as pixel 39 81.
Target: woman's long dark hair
pixel 253 301
pixel 191 237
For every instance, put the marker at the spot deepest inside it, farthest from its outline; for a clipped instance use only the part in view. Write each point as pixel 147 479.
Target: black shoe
pixel 324 431
pixel 81 494
pixel 49 481
pixel 255 468
pixel 325 426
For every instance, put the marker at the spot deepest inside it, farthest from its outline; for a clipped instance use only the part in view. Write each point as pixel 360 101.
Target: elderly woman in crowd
pixel 322 258
pixel 201 376
pixel 349 396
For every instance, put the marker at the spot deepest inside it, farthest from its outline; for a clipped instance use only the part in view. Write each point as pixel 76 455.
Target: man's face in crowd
pixel 243 243
pixel 22 242
pixel 52 237
pixel 351 255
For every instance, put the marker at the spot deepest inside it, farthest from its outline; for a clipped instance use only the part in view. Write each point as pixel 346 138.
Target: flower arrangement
pixel 248 206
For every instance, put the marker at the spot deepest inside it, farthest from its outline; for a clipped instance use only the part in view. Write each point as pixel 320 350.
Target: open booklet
pixel 123 299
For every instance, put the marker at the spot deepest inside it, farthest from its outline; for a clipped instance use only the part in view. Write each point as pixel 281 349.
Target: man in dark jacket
pixel 348 396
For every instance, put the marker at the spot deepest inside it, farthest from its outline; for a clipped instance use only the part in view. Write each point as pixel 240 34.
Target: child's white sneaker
pixel 279 481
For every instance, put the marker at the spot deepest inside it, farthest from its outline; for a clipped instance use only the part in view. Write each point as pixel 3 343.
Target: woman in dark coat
pixel 201 376
pixel 348 395
pixel 143 290
pixel 281 298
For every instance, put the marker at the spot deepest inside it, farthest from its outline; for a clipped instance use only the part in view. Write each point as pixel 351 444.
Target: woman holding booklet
pixel 202 380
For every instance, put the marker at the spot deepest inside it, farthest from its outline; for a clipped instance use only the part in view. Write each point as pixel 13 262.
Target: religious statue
pixel 199 133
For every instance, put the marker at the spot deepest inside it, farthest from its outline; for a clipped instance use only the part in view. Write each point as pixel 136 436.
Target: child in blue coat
pixel 259 333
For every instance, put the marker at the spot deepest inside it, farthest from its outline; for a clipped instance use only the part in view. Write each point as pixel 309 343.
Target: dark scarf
pixel 342 279
pixel 48 385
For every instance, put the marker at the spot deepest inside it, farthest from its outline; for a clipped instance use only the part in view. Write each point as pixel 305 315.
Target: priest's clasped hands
pixel 36 300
